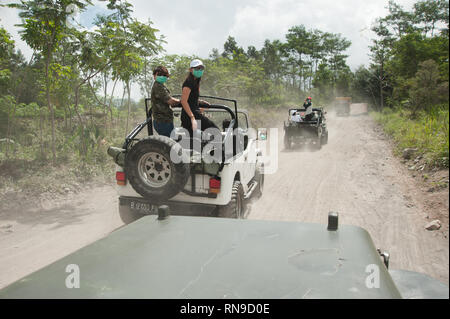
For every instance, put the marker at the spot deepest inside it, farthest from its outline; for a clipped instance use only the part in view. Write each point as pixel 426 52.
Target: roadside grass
pixel 68 175
pixel 428 132
pixel 27 166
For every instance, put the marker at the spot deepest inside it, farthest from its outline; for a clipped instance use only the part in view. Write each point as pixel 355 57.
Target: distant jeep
pixel 300 130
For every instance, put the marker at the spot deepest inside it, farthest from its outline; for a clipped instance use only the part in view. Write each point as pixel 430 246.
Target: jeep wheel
pixel 259 177
pixel 151 172
pixel 325 138
pixel 287 142
pixel 236 208
pixel 318 144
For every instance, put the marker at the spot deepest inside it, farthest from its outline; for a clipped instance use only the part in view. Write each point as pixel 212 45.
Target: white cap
pixel 195 63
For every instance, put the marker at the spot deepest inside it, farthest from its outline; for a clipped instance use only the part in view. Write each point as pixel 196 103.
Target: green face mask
pixel 197 73
pixel 161 79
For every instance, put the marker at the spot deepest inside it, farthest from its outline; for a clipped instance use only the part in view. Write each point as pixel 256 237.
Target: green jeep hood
pixel 201 257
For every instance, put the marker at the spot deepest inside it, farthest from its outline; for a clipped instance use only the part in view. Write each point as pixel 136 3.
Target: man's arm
pixel 203 103
pixel 173 101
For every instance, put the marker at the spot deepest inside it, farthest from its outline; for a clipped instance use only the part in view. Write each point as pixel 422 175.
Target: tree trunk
pixel 11 118
pixel 105 111
pixel 110 104
pixel 50 107
pixel 82 139
pixel 70 118
pixel 128 106
pixel 381 86
pixel 41 142
pixel 121 104
pixel 65 117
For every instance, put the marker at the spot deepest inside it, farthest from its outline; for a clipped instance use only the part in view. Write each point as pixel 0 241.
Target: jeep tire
pixel 236 208
pixel 152 173
pixel 318 144
pixel 287 141
pixel 325 138
pixel 259 177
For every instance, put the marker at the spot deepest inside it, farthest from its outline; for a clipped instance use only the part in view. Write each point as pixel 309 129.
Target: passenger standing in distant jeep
pixel 191 114
pixel 161 101
pixel 308 108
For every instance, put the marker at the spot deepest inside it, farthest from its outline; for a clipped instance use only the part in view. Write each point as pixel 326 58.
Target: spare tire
pixel 150 170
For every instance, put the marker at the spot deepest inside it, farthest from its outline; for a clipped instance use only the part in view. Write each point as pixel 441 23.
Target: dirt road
pixel 356 175
pixel 33 235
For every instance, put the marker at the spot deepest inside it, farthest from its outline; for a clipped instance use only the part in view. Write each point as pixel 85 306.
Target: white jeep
pixel 217 179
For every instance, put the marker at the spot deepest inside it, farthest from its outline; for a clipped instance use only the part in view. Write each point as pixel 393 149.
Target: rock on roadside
pixel 434 225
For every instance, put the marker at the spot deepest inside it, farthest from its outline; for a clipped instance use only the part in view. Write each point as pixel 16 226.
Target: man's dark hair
pixel 161 70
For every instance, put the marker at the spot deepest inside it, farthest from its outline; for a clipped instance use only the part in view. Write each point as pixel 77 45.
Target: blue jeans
pixel 163 128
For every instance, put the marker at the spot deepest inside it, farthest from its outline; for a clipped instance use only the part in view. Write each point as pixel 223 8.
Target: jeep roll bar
pixel 320 109
pixel 148 122
pixel 223 107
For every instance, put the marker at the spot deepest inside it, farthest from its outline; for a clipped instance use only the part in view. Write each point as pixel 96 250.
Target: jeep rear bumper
pixel 145 207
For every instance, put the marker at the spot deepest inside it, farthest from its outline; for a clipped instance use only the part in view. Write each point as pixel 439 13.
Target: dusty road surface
pixel 35 234
pixel 355 175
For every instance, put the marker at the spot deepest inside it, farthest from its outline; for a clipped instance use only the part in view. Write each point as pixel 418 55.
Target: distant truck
pixel 342 105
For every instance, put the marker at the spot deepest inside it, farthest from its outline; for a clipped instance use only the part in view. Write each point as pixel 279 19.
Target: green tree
pixel 135 41
pixel 380 54
pixel 44 27
pixel 230 48
pixel 363 86
pixel 272 59
pixel 6 56
pixel 398 20
pixel 427 88
pixel 429 13
pixel 297 46
pixel 323 81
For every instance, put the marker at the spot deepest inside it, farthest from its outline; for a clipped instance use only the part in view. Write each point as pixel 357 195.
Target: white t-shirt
pixel 296 117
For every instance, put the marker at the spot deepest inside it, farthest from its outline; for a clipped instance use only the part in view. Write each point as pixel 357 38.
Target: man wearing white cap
pixel 191 115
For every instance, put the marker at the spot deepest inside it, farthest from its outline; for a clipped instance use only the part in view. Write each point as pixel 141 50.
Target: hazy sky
pixel 196 27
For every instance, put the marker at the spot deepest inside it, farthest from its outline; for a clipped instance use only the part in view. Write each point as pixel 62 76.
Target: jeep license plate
pixel 141 207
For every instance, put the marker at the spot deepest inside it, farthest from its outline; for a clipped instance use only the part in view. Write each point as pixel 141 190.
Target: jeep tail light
pixel 121 179
pixel 214 185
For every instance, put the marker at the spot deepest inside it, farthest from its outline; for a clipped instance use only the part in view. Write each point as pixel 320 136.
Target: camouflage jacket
pixel 160 96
